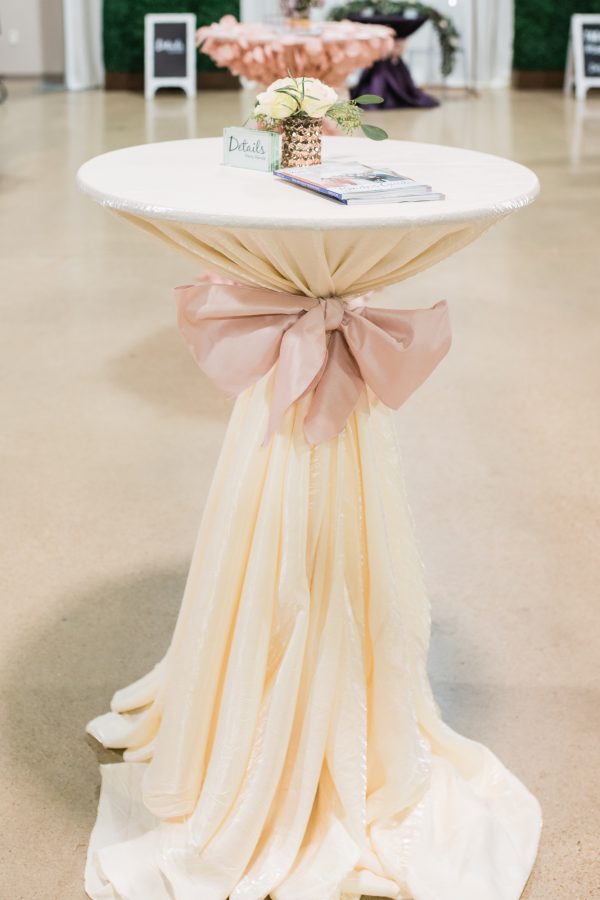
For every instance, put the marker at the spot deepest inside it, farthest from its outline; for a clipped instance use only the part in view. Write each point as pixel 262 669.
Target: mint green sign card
pixel 252 149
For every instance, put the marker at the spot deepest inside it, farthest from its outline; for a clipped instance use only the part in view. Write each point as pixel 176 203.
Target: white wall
pixel 31 41
pixel 256 10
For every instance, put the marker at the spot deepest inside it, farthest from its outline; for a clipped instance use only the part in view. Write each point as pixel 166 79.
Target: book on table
pixel 356 183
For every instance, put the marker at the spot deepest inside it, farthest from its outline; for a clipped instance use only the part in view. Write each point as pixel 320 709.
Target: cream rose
pixel 285 98
pixel 318 98
pixel 275 104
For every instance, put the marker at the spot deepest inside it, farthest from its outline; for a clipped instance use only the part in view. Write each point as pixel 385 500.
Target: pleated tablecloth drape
pixel 288 745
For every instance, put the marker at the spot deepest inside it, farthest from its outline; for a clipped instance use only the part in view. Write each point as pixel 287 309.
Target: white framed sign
pixel 170 52
pixel 583 55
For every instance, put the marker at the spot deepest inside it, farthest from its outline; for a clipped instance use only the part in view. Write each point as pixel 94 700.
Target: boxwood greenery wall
pixel 542 30
pixel 123 29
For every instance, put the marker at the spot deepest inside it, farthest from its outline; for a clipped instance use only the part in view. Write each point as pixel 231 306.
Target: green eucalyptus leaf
pixel 368 98
pixel 373 132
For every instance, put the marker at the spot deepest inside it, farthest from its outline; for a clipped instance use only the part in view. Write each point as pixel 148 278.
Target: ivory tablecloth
pixel 289 744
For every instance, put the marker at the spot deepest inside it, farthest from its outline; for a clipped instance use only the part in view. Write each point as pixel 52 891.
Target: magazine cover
pixel 342 179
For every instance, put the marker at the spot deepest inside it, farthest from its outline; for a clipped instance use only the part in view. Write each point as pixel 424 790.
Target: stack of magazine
pixel 355 183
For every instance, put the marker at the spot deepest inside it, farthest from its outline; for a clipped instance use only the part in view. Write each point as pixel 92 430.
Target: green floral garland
pixel 446 31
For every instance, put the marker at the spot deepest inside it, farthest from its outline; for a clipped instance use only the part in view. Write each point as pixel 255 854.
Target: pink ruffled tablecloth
pixel 262 53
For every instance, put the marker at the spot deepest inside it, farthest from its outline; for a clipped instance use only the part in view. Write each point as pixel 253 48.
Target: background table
pixel 262 53
pixel 289 744
pixel 390 78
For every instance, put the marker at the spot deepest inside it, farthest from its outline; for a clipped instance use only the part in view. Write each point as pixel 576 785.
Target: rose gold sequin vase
pixel 301 141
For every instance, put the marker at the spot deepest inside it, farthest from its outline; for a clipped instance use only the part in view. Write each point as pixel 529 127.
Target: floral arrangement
pixel 295 8
pixel 447 33
pixel 310 98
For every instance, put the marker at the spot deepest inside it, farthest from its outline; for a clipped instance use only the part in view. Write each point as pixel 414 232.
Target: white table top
pixel 185 181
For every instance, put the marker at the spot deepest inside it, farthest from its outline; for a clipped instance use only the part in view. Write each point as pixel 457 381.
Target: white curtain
pixel 84 66
pixel 485 57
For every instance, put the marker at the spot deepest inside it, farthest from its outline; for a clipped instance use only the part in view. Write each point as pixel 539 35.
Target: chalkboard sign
pixel 591 49
pixel 583 55
pixel 170 52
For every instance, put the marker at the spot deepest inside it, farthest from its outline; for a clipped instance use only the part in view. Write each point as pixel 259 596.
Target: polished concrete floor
pixel 110 435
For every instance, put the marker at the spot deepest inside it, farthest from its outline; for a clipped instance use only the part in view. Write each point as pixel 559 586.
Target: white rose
pixel 275 105
pixel 318 98
pixel 292 84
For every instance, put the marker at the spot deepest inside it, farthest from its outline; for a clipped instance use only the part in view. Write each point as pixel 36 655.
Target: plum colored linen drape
pixel 289 745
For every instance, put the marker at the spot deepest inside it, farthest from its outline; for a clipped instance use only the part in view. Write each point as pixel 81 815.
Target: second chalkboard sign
pixel 583 55
pixel 170 52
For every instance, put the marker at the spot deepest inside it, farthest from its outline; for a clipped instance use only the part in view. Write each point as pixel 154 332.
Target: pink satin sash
pixel 237 334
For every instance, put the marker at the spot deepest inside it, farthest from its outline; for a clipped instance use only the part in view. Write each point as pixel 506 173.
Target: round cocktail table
pixel 288 745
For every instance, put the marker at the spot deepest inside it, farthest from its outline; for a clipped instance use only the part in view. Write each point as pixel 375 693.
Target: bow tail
pixel 302 359
pixel 336 394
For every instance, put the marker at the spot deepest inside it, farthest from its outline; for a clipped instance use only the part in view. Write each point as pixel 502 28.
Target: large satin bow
pixel 237 334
